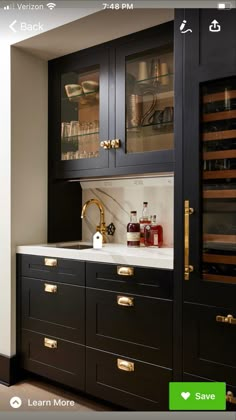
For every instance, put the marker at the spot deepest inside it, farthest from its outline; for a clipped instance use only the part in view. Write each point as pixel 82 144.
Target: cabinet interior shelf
pixel 219 193
pixel 157 126
pixel 219 96
pixel 71 138
pixel 225 173
pixel 219 278
pixel 219 154
pixel 153 79
pixel 217 116
pixel 223 259
pixel 219 135
pixel 210 237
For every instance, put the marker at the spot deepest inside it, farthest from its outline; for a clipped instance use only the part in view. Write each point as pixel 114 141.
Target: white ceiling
pixel 93 30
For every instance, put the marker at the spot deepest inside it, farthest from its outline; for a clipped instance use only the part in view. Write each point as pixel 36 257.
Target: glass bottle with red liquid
pixel 143 221
pixel 153 234
pixel 133 230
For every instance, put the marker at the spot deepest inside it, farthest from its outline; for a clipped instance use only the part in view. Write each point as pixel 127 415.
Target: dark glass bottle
pixel 133 230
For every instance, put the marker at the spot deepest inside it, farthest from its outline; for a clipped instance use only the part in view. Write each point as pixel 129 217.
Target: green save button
pixel 197 396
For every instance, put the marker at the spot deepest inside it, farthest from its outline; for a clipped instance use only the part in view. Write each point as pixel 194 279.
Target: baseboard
pixel 8 370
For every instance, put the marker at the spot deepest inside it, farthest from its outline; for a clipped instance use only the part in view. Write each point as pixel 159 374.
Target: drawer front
pixel 64 364
pixel 141 386
pixel 230 391
pixel 54 269
pixel 140 327
pixel 53 308
pixel 209 346
pixel 138 280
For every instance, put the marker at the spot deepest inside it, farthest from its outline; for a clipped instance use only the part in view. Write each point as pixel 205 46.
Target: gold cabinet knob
pixel 51 344
pixel 50 288
pixel 115 143
pixel 105 144
pixel 229 319
pixel 125 271
pixel 230 397
pixel 125 365
pixel 125 301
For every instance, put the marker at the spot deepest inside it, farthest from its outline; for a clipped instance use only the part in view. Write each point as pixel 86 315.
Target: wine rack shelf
pixel 219 194
pixel 221 154
pixel 217 116
pixel 219 135
pixel 231 173
pixel 219 96
pixel 222 259
pixel 219 278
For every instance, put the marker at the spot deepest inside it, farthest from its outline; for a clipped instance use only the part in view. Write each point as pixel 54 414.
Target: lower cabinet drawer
pixel 53 308
pixel 127 382
pixel 209 345
pixel 53 358
pixel 137 326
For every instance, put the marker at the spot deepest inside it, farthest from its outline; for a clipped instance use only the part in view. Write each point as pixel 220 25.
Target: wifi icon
pixel 51 6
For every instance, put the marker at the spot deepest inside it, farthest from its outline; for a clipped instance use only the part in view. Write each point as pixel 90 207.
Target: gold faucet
pixel 102 226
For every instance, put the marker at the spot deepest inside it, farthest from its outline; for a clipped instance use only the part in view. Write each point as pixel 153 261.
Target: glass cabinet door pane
pixel 80 115
pixel 149 101
pixel 219 180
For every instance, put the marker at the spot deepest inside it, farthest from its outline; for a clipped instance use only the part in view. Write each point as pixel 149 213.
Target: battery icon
pixel 225 6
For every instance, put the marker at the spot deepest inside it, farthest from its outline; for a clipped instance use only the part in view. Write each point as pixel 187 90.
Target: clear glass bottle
pixel 133 230
pixel 143 221
pixel 153 234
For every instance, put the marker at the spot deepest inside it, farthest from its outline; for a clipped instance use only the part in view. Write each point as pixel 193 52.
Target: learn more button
pixel 197 396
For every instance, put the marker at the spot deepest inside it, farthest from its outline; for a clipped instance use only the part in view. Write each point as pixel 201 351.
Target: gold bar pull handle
pixel 125 271
pixel 187 212
pixel 50 288
pixel 50 262
pixel 125 365
pixel 229 319
pixel 51 344
pixel 230 397
pixel 125 301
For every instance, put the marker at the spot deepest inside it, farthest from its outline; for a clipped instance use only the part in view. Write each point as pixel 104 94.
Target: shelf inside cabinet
pixel 228 239
pixel 219 135
pixel 216 258
pixel 219 278
pixel 219 96
pixel 219 154
pixel 219 193
pixel 217 116
pixel 227 173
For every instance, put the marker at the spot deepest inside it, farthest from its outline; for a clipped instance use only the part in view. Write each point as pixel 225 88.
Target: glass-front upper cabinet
pixel 83 114
pixel 145 84
pixel 218 146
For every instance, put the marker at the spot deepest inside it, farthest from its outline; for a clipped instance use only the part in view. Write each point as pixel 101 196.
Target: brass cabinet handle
pixel 125 301
pixel 229 319
pixel 50 262
pixel 105 144
pixel 125 271
pixel 125 365
pixel 51 344
pixel 115 143
pixel 187 212
pixel 50 288
pixel 230 397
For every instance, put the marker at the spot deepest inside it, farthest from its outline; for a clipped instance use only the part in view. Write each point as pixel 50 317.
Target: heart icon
pixel 185 395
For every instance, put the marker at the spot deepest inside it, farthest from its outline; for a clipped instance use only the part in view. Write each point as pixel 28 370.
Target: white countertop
pixel 110 253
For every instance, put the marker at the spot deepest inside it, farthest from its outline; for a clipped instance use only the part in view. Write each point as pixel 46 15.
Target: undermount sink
pixel 75 246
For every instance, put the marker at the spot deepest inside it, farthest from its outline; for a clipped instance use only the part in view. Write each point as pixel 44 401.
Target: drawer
pixel 53 308
pixel 54 269
pixel 138 280
pixel 141 387
pixel 230 391
pixel 209 346
pixel 64 364
pixel 142 331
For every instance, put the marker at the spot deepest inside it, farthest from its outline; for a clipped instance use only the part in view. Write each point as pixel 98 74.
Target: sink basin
pixel 75 246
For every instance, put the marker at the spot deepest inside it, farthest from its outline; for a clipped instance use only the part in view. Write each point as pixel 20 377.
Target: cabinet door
pixel 145 101
pixel 78 113
pixel 209 177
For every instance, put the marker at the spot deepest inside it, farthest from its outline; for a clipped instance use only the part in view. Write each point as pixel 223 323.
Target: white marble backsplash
pixel 120 196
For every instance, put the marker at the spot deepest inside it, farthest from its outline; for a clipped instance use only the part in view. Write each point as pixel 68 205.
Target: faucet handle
pixel 111 229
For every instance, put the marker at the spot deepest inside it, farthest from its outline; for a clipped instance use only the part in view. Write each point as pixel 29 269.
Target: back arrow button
pixel 11 26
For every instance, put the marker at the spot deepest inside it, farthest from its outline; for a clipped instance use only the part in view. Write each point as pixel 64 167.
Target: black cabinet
pixel 51 318
pixel 205 204
pixel 105 329
pixel 111 107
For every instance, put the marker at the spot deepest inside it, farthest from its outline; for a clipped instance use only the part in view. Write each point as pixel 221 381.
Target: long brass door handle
pixel 187 212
